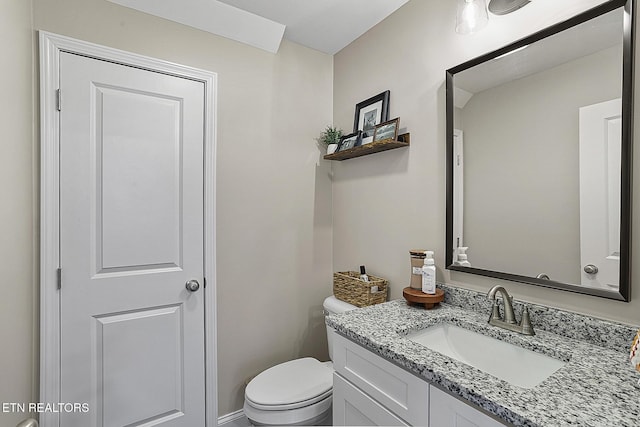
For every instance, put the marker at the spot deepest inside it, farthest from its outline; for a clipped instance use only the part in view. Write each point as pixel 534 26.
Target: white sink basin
pixel 518 366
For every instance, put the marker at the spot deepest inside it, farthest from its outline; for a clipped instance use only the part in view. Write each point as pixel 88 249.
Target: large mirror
pixel 539 140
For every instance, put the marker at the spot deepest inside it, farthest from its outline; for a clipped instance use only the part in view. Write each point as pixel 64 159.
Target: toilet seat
pixel 309 415
pixel 298 392
pixel 290 406
pixel 290 385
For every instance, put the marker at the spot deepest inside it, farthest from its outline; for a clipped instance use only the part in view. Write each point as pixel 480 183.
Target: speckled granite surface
pixel 602 333
pixel 597 387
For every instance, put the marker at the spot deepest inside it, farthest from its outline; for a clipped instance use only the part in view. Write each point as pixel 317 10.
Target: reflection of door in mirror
pixel 600 154
pixel 458 191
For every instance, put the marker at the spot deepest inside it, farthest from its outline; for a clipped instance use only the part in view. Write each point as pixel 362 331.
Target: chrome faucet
pixel 509 321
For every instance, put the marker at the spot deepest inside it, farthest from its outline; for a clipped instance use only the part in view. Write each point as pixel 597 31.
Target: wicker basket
pixel 348 287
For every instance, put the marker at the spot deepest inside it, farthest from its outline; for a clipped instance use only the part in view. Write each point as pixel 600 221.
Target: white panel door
pixel 600 173
pixel 131 237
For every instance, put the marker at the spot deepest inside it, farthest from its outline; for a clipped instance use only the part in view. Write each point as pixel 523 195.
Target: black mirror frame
pixel 624 291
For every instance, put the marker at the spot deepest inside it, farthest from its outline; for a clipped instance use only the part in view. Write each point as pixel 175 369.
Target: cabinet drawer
pixel 352 407
pixel 448 411
pixel 396 389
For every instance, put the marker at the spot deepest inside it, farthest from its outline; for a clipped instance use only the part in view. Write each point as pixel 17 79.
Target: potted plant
pixel 330 138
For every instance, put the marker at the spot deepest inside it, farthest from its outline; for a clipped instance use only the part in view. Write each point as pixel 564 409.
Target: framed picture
pixel 387 130
pixel 370 113
pixel 349 141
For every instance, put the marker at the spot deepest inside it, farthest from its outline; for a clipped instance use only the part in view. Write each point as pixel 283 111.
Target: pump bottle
pixel 429 274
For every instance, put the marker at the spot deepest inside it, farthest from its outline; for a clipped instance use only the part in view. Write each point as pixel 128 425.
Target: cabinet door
pixel 447 411
pixel 401 392
pixel 352 407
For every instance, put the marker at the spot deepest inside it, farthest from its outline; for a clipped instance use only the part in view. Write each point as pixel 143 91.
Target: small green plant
pixel 330 135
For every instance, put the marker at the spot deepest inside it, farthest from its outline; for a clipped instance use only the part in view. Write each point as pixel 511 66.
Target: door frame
pixel 51 46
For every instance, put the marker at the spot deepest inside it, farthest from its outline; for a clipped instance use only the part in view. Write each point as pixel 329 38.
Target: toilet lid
pixel 295 383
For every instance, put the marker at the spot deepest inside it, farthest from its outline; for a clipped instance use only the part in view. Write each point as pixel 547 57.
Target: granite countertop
pixel 597 387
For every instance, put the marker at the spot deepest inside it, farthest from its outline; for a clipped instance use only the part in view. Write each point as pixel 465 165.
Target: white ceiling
pixel 324 25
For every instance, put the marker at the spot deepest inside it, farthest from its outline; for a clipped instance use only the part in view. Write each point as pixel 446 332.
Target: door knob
pixel 192 285
pixel 590 269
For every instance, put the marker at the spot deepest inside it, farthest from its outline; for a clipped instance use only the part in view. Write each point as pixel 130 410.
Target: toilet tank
pixel 333 305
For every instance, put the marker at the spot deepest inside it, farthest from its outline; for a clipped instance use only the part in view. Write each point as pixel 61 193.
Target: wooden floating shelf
pixel 370 148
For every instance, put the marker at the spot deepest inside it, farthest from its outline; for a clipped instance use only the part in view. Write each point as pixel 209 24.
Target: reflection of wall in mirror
pixel 458 118
pixel 523 217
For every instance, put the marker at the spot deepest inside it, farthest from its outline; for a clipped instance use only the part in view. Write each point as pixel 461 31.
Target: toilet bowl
pixel 298 392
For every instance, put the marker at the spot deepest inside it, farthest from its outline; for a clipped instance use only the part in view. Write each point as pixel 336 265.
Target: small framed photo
pixel 370 113
pixel 349 141
pixel 387 130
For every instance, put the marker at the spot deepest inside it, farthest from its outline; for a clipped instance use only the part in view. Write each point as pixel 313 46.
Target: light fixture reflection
pixel 472 16
pixel 512 52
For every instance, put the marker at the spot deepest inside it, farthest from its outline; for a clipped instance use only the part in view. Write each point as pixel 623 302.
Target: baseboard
pixel 234 419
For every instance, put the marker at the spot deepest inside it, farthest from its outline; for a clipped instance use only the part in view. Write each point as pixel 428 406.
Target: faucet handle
pixel 525 324
pixel 495 314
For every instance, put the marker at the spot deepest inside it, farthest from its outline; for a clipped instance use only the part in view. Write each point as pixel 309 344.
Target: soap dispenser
pixel 429 274
pixel 462 257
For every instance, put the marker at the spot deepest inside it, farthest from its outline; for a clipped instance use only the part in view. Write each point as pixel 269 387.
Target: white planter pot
pixel 331 148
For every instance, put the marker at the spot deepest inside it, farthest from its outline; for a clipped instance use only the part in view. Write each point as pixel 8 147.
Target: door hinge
pixel 58 100
pixel 59 276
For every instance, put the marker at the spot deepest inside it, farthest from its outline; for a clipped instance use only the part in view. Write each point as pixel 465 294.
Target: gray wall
pixel 18 336
pixel 522 172
pixel 388 203
pixel 274 235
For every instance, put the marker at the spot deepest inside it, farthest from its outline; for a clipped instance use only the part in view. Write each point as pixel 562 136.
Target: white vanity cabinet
pixel 447 411
pixel 369 390
pixel 353 407
pixel 394 390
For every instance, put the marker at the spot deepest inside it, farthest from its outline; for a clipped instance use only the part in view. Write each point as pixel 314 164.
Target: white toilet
pixel 297 392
